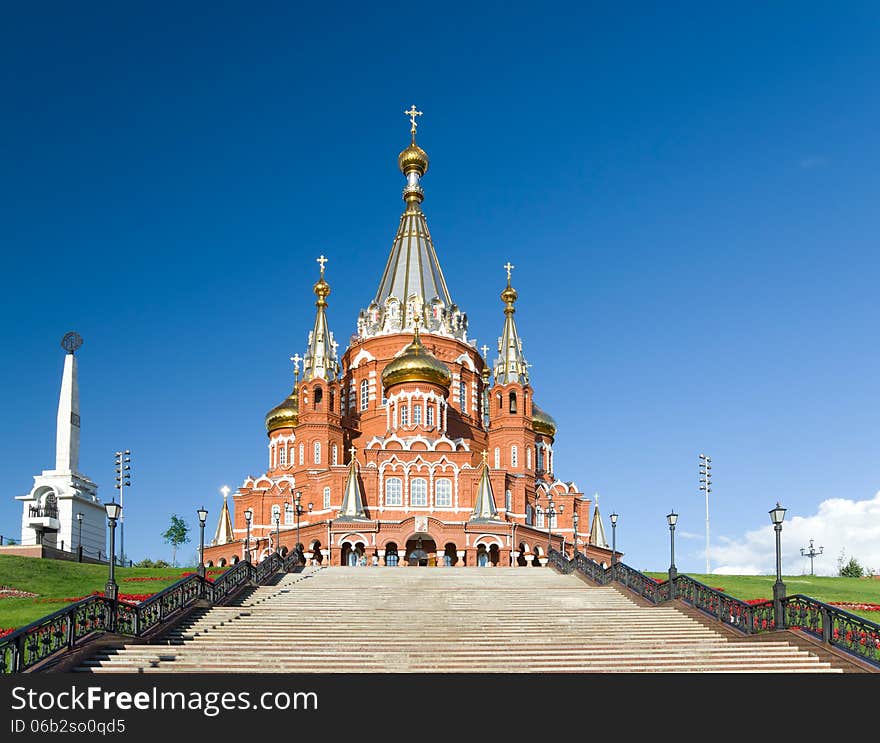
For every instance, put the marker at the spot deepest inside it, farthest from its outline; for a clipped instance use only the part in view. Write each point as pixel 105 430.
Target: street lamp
pixel 811 553
pixel 278 534
pixel 575 519
pixel 706 486
pixel 672 519
pixel 613 518
pixel 111 590
pixel 203 516
pixel 123 481
pixel 248 515
pixel 299 511
pixel 551 514
pixel 79 543
pixel 777 515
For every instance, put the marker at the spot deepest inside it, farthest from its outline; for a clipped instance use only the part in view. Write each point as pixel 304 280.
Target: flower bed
pixel 8 592
pixel 130 597
pixel 6 631
pixel 850 606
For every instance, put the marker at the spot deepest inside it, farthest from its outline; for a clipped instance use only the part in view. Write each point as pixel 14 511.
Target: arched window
pixel 393 492
pixel 332 405
pixel 462 396
pixel 365 394
pixel 429 414
pixel 530 515
pixel 417 415
pixel 288 514
pixel 500 403
pixel 539 458
pixel 334 453
pixel 514 456
pixel 512 398
pixel 302 454
pixel 540 514
pixel 528 458
pixel 317 456
pixel 553 519
pixel 443 492
pixel 418 493
pixel 282 455
pixel 404 415
pixel 497 458
pixel 319 397
pixel 508 500
pixel 326 498
pixel 276 513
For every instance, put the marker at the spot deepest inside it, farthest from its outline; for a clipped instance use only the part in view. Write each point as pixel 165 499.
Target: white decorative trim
pixel 363 355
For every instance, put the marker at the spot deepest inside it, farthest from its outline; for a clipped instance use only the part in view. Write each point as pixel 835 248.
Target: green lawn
pixel 824 588
pixel 61 579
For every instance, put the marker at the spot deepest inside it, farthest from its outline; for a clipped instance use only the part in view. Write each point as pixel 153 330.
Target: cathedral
pixel 410 448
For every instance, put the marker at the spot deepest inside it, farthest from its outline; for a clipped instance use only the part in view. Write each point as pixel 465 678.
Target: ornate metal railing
pixel 849 632
pixel 70 626
pixel 43 512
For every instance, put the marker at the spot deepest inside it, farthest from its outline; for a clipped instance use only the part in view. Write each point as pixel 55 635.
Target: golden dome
pixel 321 288
pixel 543 422
pixel 509 295
pixel 416 364
pixel 413 158
pixel 285 415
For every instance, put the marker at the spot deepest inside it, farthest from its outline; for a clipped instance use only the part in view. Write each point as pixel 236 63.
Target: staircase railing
pixel 82 620
pixel 829 624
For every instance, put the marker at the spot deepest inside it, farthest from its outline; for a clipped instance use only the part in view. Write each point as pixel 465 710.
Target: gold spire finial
pixel 322 261
pixel 225 490
pixel 509 295
pixel 352 451
pixel 509 266
pixel 485 349
pixel 485 456
pixel 296 358
pixel 412 113
pixel 321 287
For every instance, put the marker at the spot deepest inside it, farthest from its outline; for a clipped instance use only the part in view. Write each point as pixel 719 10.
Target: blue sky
pixel 688 194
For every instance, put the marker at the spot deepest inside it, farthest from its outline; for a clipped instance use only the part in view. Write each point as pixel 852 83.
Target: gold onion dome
pixel 543 422
pixel 285 415
pixel 413 159
pixel 416 364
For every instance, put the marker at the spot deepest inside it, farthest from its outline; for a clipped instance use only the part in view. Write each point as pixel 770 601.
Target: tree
pixel 177 534
pixel 853 569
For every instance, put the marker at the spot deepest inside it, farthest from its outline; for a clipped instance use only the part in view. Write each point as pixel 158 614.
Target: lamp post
pixel 123 481
pixel 777 515
pixel 278 534
pixel 706 486
pixel 551 514
pixel 298 508
pixel 248 515
pixel 111 590
pixel 811 553
pixel 613 518
pixel 79 542
pixel 203 516
pixel 672 519
pixel 575 519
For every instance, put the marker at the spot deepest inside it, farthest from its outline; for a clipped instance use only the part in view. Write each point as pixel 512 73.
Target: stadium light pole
pixel 123 481
pixel 706 486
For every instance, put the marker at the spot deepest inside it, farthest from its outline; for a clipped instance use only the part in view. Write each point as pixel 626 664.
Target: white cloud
pixel 840 524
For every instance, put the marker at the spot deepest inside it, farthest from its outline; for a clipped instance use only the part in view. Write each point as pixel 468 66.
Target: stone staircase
pixel 350 620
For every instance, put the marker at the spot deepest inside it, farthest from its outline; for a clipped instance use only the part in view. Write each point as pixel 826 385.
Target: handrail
pixel 68 627
pixel 830 624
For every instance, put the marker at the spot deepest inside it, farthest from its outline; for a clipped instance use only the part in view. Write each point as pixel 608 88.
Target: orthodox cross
pixel 485 456
pixel 225 490
pixel 322 260
pixel 509 268
pixel 485 349
pixel 296 358
pixel 352 451
pixel 412 113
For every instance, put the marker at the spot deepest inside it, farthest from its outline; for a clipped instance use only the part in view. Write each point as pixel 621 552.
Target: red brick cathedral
pixel 410 448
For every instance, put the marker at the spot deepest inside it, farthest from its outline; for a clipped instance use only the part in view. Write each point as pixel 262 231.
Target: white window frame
pixel 418 486
pixel 282 455
pixel 394 491
pixel 288 515
pixel 497 458
pixel 429 414
pixel 404 415
pixel 443 492
pixel 334 453
pixel 317 452
pixel 326 498
pixel 365 394
pixel 302 454
pixel 417 415
pixel 514 456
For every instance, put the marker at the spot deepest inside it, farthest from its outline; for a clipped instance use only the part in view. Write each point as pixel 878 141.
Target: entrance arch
pixel 421 550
